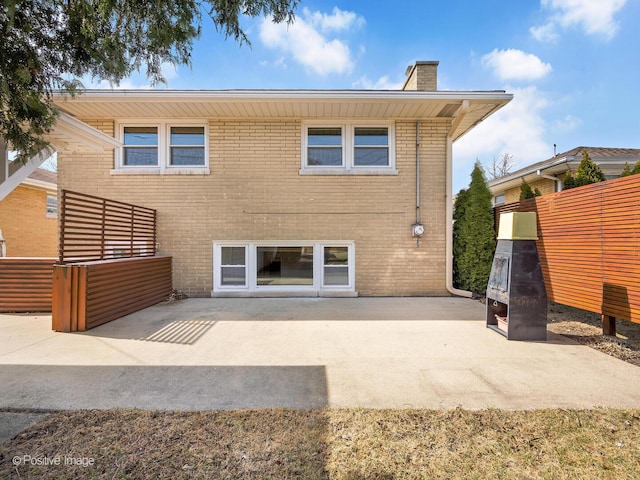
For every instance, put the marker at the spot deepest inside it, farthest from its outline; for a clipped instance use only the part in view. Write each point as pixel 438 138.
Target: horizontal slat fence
pixel 89 294
pixel 25 284
pixel 589 244
pixel 95 228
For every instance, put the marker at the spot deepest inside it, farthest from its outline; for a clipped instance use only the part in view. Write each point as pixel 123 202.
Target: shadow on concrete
pixel 183 332
pixel 162 387
pixel 184 328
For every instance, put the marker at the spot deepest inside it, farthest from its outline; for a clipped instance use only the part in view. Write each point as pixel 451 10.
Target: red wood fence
pixel 589 245
pixel 92 293
pixel 25 284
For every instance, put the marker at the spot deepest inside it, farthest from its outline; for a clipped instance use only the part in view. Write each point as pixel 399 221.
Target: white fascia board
pixel 119 95
pixel 31 182
pixel 80 131
pixel 494 184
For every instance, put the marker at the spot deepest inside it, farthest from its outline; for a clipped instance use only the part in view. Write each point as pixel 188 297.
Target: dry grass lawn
pixel 586 328
pixel 345 444
pixel 332 444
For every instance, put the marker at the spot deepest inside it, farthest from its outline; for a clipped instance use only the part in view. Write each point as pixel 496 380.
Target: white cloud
pixel 126 84
pixel 567 124
pixel 383 83
pixel 309 40
pixel 136 82
pixel 338 20
pixel 517 129
pixel 545 33
pixel 169 71
pixel 514 64
pixel 595 17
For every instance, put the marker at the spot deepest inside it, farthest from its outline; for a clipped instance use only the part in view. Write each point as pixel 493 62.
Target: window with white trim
pixel 52 206
pixel 140 147
pixel 371 146
pixel 308 268
pixel 336 266
pixel 233 266
pixel 348 148
pixel 325 147
pixel 162 147
pixel 186 146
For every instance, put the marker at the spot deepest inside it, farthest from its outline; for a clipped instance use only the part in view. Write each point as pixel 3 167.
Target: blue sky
pixel 572 65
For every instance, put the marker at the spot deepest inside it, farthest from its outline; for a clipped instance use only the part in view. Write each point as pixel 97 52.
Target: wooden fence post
pixel 608 325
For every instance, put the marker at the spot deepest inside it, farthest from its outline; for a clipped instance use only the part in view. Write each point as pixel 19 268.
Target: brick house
pixel 28 217
pixel 286 192
pixel 548 175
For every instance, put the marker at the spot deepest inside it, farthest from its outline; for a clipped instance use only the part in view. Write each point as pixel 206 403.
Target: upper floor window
pixel 187 146
pixel 348 148
pixel 162 148
pixel 371 146
pixel 140 146
pixel 324 147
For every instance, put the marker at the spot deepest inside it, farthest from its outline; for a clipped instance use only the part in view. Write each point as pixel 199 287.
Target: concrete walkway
pixel 253 353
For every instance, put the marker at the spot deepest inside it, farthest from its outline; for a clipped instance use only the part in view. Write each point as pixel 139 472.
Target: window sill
pixel 157 171
pixel 284 294
pixel 348 171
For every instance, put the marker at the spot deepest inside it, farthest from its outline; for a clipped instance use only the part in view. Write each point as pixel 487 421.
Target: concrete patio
pixel 199 354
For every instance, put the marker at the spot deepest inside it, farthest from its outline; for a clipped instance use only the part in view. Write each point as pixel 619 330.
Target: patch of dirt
pixel 586 328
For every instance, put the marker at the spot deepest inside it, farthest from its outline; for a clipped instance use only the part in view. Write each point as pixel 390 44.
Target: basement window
pixel 283 268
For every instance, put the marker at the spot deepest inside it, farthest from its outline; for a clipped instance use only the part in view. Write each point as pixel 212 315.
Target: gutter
pixel 551 177
pixel 277 95
pixel 524 172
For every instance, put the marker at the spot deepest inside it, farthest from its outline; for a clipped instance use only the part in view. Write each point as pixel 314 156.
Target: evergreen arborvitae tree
pixel 636 168
pixel 626 171
pixel 527 192
pixel 459 244
pixel 476 238
pixel 588 172
pixel 569 181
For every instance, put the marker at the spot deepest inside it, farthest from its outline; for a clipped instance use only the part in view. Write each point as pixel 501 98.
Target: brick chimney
pixel 422 76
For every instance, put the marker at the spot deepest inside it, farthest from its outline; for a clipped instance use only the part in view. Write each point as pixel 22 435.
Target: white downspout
pixel 449 220
pixel 557 181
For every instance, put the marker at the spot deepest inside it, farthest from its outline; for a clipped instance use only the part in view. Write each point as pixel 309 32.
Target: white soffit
pixel 295 104
pixel 71 132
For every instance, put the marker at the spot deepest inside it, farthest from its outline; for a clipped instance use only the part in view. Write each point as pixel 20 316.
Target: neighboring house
pixel 548 175
pixel 29 217
pixel 285 192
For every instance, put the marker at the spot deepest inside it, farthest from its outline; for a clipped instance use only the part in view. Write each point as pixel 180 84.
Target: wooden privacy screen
pixel 89 294
pixel 94 228
pixel 589 245
pixel 25 284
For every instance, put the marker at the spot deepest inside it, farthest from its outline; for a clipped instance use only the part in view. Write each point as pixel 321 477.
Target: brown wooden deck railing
pixel 589 245
pixel 94 228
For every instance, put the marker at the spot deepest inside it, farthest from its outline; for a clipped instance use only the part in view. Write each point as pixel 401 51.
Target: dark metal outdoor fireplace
pixel 516 296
